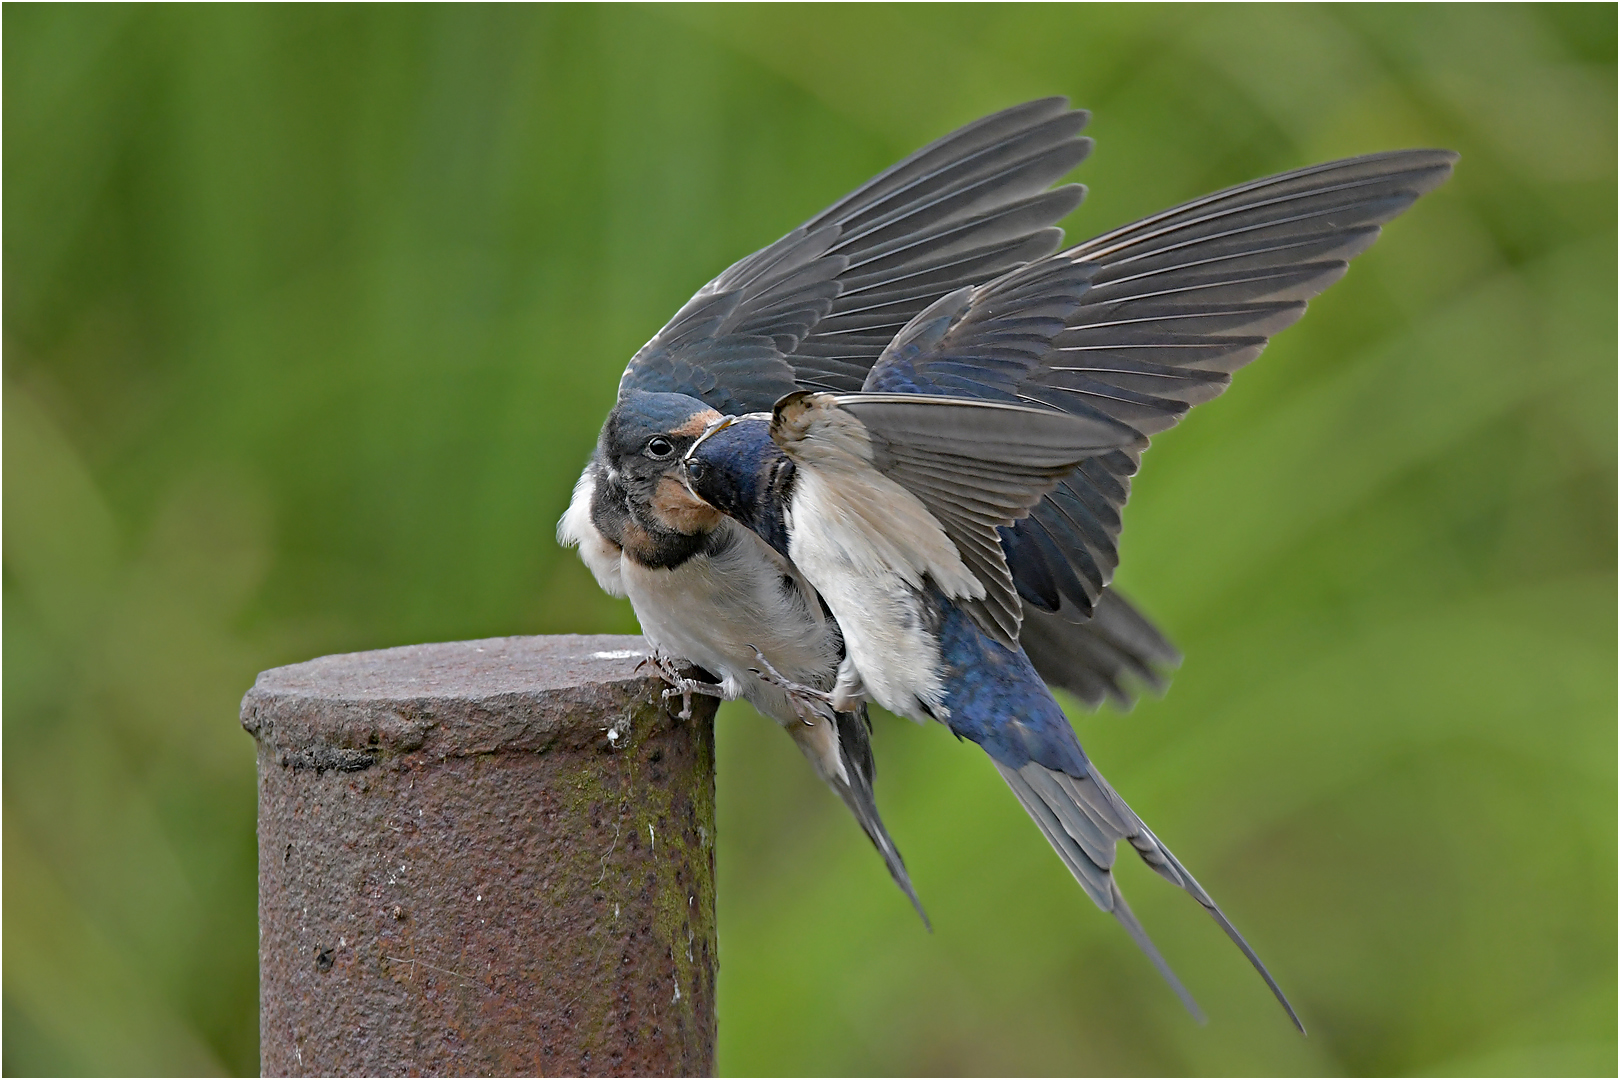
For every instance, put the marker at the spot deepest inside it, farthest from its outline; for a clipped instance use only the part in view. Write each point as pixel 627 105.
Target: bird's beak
pixel 714 426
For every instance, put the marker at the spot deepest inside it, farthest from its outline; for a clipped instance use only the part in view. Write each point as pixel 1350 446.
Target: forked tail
pixel 1083 818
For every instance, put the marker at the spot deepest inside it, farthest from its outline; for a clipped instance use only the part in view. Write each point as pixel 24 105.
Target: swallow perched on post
pixel 1132 327
pixel 707 590
pixel 817 307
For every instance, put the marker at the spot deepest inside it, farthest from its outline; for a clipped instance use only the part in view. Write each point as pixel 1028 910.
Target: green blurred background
pixel 311 315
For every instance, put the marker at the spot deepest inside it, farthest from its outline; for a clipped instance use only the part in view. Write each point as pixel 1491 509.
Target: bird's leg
pixel 807 701
pixel 670 671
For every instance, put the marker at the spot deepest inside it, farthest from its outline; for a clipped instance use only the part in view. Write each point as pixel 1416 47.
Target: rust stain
pixel 499 890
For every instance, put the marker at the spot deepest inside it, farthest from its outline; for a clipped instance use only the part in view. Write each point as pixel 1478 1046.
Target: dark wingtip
pixel 1049 106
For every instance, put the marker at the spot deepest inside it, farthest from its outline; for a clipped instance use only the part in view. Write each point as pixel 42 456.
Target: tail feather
pixel 1166 865
pixel 1037 791
pixel 855 744
pixel 1093 878
pixel 1083 817
pixel 1190 883
pixel 1127 919
pixel 1097 844
pixel 842 755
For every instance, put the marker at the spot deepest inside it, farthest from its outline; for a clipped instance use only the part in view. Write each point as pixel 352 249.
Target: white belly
pixel 880 613
pixel 712 609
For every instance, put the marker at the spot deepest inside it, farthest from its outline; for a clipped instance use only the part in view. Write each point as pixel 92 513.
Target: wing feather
pixel 1139 325
pixel 816 308
pixel 977 467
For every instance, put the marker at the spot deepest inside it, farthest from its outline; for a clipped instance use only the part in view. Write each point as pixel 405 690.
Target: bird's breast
pixel 715 607
pixel 879 604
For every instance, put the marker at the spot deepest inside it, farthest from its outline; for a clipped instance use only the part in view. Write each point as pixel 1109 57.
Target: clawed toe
pixel 686 701
pixel 810 704
pixel 669 670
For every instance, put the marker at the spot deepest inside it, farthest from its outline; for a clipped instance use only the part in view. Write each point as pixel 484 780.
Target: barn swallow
pixel 889 504
pixel 909 521
pixel 1152 318
pixel 819 305
pixel 710 592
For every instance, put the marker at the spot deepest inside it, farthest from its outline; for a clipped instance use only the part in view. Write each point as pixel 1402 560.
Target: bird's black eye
pixel 696 470
pixel 659 448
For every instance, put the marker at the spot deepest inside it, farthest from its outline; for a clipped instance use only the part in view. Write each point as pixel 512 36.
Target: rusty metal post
pixel 484 857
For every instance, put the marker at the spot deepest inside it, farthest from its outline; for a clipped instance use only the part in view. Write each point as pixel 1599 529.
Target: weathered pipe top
pixel 484 858
pixel 467 697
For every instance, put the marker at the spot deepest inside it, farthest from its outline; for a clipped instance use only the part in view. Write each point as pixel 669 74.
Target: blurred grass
pixel 310 318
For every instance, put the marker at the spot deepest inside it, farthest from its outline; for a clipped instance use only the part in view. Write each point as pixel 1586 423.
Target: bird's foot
pixel 811 704
pixel 669 669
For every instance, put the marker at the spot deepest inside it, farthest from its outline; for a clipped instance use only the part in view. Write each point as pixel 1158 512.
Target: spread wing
pixel 1112 656
pixel 815 309
pixel 978 466
pixel 1140 324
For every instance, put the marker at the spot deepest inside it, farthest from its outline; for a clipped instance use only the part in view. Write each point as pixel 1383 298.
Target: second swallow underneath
pixel 888 504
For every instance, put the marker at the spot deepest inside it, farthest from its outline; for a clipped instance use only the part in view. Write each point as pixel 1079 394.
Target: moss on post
pixel 484 857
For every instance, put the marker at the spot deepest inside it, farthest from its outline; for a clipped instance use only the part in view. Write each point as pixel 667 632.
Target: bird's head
pixel 736 468
pixel 641 501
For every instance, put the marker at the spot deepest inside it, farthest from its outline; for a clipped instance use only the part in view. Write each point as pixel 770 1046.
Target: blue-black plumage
pixel 915 647
pixel 750 474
